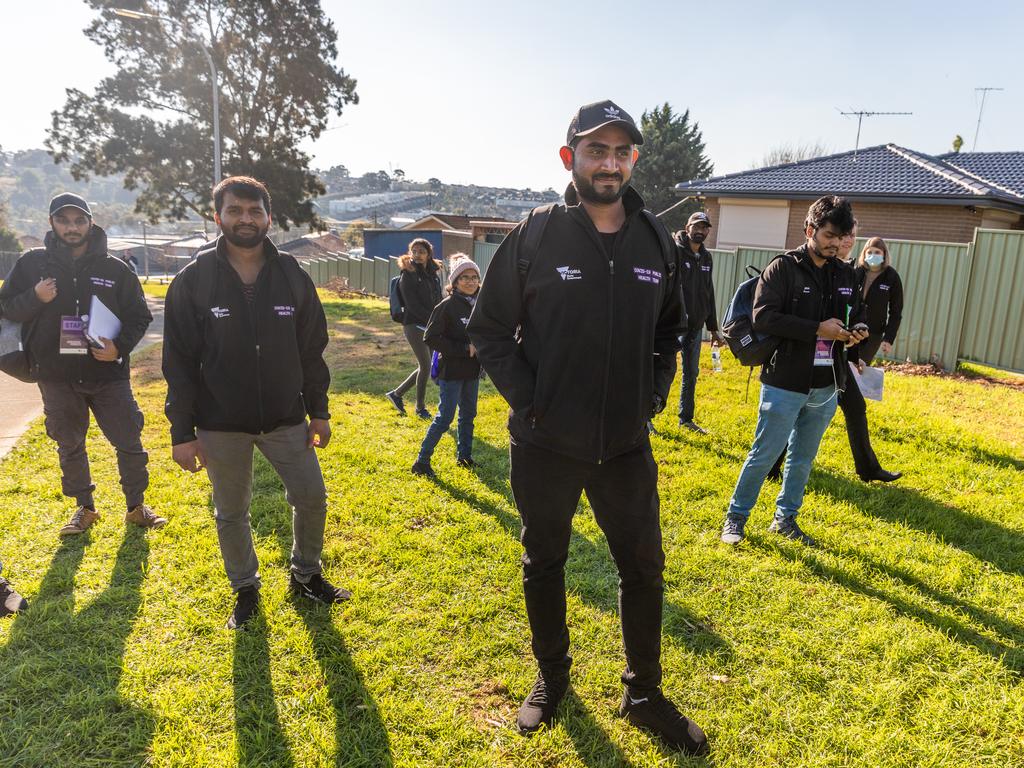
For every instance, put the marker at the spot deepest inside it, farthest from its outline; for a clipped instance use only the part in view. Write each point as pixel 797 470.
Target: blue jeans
pixel 454 392
pixel 784 417
pixel 690 367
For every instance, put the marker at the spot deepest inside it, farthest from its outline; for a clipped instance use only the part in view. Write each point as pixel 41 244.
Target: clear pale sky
pixel 477 92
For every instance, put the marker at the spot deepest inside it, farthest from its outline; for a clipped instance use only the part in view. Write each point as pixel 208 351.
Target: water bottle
pixel 716 359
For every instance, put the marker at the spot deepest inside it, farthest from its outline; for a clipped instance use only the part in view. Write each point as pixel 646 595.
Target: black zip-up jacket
pixel 232 366
pixel 597 333
pixel 446 333
pixel 421 291
pixel 78 280
pixel 698 287
pixel 884 307
pixel 790 304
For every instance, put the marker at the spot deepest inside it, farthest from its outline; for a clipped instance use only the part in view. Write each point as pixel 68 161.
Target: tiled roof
pixel 1005 169
pixel 883 171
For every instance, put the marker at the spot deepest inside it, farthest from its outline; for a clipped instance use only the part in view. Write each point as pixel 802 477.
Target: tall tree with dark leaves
pixel 152 120
pixel 673 151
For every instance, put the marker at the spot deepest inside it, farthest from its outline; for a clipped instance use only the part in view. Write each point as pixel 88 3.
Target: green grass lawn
pixel 898 642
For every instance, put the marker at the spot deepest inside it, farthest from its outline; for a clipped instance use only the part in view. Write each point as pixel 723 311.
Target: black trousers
pixel 623 493
pixel 855 411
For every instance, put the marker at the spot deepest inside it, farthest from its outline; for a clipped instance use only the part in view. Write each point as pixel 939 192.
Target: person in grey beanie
pixel 458 370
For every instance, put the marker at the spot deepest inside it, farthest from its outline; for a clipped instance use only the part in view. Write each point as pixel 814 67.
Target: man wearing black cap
pixel 578 326
pixel 699 298
pixel 50 291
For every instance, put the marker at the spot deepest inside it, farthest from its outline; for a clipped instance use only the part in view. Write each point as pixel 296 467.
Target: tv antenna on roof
pixel 861 114
pixel 977 128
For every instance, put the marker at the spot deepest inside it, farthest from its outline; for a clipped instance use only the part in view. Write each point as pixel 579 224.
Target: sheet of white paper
pixel 102 322
pixel 870 382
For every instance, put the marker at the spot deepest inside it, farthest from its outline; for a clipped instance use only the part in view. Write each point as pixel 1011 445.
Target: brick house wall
pixel 898 221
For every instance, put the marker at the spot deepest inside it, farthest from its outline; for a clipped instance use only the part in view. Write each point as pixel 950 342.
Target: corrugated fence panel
pixel 935 283
pixel 380 277
pixel 992 330
pixel 482 255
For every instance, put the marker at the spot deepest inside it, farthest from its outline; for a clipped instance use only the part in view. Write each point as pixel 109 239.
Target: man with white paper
pixel 49 291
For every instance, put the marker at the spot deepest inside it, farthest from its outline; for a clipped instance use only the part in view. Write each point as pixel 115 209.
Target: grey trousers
pixel 421 376
pixel 229 467
pixel 67 406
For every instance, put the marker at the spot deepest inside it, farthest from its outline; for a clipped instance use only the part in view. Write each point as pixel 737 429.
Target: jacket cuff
pixel 181 435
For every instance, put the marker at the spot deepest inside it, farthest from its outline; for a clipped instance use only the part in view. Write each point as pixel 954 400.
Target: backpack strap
pixel 206 281
pixel 533 231
pixel 668 249
pixel 296 279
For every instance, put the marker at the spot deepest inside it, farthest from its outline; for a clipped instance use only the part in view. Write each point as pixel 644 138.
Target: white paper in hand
pixel 102 323
pixel 870 382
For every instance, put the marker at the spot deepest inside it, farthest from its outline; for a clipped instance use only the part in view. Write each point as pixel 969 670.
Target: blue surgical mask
pixel 874 259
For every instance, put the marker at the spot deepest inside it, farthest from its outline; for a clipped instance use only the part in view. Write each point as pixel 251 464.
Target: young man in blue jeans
pixel 808 298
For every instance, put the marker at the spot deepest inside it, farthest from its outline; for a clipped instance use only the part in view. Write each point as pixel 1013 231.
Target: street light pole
pixel 214 78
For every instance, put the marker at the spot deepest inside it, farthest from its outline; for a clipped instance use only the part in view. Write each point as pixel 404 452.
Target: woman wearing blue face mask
pixel 883 295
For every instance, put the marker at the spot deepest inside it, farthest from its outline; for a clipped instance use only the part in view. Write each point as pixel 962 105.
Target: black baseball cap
pixel 69 200
pixel 698 218
pixel 590 117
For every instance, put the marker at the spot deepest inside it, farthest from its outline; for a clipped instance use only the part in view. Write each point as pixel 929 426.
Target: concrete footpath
pixel 20 403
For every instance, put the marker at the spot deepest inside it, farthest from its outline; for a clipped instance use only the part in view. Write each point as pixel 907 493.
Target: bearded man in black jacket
pixel 580 338
pixel 808 298
pixel 244 337
pixel 48 291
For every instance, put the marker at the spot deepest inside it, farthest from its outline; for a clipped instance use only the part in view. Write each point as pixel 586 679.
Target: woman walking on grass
pixel 458 370
pixel 420 289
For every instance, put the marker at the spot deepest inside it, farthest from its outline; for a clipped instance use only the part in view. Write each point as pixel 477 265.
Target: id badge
pixel 72 336
pixel 823 353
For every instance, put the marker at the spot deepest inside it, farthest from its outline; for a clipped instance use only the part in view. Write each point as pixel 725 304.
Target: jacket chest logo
pixel 845 291
pixel 688 265
pixel 883 287
pixel 101 282
pixel 705 268
pixel 284 310
pixel 465 320
pixel 220 312
pixel 807 289
pixel 645 275
pixel 570 273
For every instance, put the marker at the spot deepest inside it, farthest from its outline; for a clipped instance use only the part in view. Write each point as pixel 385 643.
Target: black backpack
pixel 395 300
pixel 13 357
pixel 747 345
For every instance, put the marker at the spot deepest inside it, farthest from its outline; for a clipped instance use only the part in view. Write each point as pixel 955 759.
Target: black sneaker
pixel 467 462
pixel 693 427
pixel 732 529
pixel 787 527
pixel 396 400
pixel 422 469
pixel 538 708
pixel 424 414
pixel 247 601
pixel 659 715
pixel 319 589
pixel 10 601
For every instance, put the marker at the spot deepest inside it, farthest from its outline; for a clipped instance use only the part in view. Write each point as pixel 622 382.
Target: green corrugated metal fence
pixel 993 333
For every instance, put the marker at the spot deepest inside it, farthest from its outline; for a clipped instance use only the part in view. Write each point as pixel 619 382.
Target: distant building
pixel 896 193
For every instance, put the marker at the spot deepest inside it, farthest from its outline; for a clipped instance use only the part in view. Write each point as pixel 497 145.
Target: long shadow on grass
pixel 261 740
pixel 60 671
pixel 589 739
pixel 360 736
pixel 585 558
pixel 985 539
pixel 816 561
